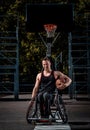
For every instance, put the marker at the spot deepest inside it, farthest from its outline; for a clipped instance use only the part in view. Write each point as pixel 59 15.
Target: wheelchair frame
pixel 57 111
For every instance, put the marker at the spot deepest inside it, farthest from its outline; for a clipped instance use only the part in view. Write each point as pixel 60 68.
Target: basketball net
pixel 50 29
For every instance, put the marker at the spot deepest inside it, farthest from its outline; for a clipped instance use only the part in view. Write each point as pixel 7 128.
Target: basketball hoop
pixel 50 29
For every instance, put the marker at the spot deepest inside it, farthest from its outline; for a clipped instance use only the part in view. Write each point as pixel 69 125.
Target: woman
pixel 45 86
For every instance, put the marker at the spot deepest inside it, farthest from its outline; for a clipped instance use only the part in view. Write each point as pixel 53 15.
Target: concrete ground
pixel 12 114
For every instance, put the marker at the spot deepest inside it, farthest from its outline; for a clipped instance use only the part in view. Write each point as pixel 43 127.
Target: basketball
pixel 60 84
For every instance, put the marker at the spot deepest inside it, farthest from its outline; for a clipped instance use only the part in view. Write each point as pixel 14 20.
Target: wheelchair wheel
pixel 62 110
pixel 30 111
pixel 33 112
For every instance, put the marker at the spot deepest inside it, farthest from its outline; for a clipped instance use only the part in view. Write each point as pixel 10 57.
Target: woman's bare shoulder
pixel 39 75
pixel 56 72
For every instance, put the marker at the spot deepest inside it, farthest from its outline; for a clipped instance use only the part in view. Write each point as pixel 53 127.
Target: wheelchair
pixel 57 111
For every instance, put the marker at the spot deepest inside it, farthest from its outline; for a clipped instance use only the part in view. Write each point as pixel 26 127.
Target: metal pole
pixel 48 53
pixel 16 75
pixel 70 63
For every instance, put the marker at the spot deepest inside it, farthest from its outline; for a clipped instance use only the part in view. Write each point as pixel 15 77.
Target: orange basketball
pixel 60 83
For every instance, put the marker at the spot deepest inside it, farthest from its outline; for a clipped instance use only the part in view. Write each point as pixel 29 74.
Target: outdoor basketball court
pixel 13 116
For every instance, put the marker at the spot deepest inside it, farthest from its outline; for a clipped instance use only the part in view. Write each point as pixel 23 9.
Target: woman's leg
pixel 47 101
pixel 41 102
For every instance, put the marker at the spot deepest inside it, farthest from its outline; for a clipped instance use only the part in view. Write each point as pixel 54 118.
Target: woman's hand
pixel 60 84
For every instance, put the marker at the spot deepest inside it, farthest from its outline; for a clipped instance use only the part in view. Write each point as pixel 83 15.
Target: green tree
pixel 32 48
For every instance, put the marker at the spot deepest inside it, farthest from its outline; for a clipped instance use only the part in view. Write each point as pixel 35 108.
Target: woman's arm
pixel 36 86
pixel 63 80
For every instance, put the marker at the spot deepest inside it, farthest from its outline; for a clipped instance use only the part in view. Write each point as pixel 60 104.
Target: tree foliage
pixel 31 46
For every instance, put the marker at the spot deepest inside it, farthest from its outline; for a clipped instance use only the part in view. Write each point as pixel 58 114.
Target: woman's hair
pixel 46 58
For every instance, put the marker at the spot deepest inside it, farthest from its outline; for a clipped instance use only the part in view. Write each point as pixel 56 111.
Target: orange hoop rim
pixel 50 27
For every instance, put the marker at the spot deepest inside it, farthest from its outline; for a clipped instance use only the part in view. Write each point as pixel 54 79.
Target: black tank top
pixel 47 83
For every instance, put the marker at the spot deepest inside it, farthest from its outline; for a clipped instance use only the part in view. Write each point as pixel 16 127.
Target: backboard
pixel 38 15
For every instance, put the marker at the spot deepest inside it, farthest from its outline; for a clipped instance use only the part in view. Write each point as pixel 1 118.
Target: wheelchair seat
pixel 57 111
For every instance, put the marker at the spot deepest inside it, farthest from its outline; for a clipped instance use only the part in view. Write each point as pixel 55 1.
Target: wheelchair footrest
pixel 41 120
pixel 53 108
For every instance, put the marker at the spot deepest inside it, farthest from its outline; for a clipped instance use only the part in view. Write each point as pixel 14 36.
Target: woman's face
pixel 46 64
